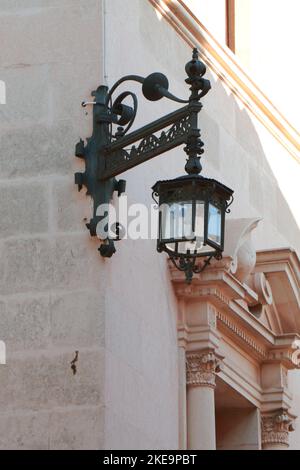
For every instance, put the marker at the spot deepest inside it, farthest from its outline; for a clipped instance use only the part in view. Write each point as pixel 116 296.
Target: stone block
pixel 45 381
pixel 24 431
pixel 27 94
pixel 71 209
pixel 210 135
pixel 68 93
pixel 221 104
pixel 247 135
pixel 37 150
pixel 256 189
pixel 40 264
pixel 77 319
pixel 77 429
pixel 285 221
pixel 234 172
pixel 13 6
pixel 25 323
pixel 23 209
pixel 48 35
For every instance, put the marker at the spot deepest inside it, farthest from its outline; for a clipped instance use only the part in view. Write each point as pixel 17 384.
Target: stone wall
pixel 51 281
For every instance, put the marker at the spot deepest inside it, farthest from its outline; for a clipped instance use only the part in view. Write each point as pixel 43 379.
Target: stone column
pixel 275 428
pixel 201 368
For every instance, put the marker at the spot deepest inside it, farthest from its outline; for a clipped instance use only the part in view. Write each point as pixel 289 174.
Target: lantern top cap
pixel 198 180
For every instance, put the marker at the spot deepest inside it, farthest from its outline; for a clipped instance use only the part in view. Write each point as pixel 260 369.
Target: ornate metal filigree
pixel 109 152
pixel 150 146
pixel 191 265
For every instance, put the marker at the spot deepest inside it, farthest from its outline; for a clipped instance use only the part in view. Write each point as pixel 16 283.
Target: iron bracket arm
pixel 118 158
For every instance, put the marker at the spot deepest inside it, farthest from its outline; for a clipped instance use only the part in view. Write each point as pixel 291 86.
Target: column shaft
pixel 201 418
pixel 201 368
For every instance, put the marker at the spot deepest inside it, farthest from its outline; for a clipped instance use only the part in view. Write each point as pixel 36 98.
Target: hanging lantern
pixel 192 212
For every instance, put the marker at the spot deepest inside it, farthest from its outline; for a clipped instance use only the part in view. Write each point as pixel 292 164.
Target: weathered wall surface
pixel 56 294
pixel 140 321
pixel 51 280
pixel 141 339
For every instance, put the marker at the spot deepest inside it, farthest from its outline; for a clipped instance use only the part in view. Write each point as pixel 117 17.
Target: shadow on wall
pixel 234 151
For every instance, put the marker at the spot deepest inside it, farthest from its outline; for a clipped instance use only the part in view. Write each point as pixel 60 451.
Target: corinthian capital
pixel 201 368
pixel 275 428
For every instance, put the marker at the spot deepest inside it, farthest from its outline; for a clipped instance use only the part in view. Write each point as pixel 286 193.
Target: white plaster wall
pixel 267 38
pixel 141 372
pixel 141 338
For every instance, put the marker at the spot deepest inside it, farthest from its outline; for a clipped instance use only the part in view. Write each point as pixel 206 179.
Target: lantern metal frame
pixel 197 189
pixel 109 152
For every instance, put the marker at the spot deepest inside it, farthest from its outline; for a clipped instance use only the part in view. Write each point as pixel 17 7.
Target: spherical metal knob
pixel 153 86
pixel 195 68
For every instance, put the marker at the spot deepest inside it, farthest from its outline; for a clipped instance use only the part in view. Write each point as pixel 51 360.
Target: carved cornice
pixel 242 335
pixel 231 300
pixel 226 65
pixel 286 350
pixel 215 281
pixel 275 428
pixel 201 369
pixel 281 269
pixel 214 315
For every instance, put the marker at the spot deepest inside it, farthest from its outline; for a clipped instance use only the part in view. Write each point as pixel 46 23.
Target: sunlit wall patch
pixel 2 353
pixel 2 92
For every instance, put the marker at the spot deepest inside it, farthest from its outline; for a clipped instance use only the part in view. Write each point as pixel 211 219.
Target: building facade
pixel 121 353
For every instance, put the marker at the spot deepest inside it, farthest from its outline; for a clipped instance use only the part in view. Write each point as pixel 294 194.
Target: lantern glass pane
pixel 199 221
pixel 194 244
pixel 214 231
pixel 176 221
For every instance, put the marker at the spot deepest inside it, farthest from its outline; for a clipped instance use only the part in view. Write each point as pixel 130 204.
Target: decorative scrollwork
pixel 189 267
pixel 107 153
pixel 149 143
pixel 125 114
pixel 179 128
pixel 229 204
pixel 154 197
pixel 177 134
pixel 154 87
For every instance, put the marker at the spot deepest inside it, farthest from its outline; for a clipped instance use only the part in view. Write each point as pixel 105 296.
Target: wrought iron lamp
pixel 191 220
pixel 191 208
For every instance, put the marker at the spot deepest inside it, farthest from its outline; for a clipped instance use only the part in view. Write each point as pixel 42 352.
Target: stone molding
pixel 242 335
pixel 232 302
pixel 201 369
pixel 281 269
pixel 275 428
pixel 286 351
pixel 262 288
pixel 228 68
pixel 215 314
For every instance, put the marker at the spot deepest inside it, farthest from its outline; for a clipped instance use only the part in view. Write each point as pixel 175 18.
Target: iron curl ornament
pixel 112 149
